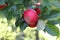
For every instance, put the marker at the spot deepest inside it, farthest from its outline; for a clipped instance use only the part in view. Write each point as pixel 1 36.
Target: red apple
pixel 30 16
pixel 3 6
pixel 33 25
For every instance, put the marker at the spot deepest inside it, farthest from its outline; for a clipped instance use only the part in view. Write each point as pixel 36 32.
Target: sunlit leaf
pixel 52 29
pixel 54 17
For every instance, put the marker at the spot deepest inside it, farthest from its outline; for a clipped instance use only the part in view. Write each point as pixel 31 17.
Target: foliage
pixel 11 17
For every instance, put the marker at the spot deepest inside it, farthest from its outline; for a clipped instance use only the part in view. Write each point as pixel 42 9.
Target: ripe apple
pixel 31 17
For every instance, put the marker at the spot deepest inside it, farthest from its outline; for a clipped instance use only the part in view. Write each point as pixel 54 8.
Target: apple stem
pixel 37 37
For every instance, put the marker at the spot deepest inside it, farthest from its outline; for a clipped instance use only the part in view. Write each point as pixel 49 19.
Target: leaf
pixel 18 1
pixel 27 3
pixel 23 27
pixel 14 9
pixel 10 2
pixel 56 4
pixel 45 12
pixel 55 22
pixel 47 3
pixel 2 2
pixel 19 21
pixel 54 17
pixel 52 29
pixel 54 12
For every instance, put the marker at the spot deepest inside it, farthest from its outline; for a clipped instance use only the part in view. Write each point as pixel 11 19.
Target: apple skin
pixel 2 6
pixel 31 17
pixel 33 25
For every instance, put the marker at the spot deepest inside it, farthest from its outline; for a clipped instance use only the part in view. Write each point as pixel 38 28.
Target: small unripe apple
pixel 30 16
pixel 37 10
pixel 37 4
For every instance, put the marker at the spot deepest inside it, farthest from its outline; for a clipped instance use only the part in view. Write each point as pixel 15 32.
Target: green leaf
pixel 23 27
pixel 54 17
pixel 55 22
pixel 2 2
pixel 14 9
pixel 56 4
pixel 19 21
pixel 27 3
pixel 47 3
pixel 9 16
pixel 45 12
pixel 18 1
pixel 54 12
pixel 10 2
pixel 52 29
